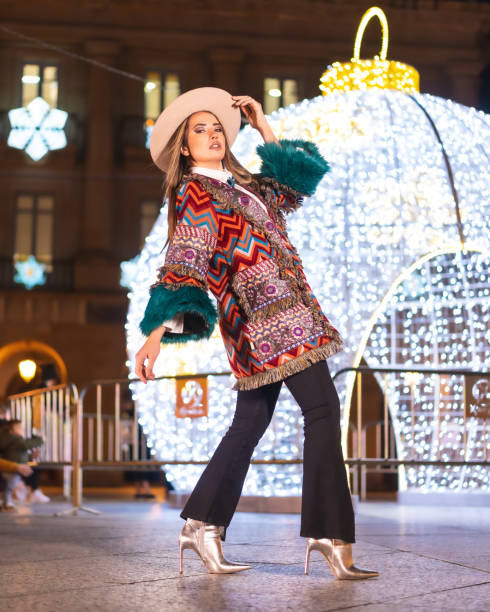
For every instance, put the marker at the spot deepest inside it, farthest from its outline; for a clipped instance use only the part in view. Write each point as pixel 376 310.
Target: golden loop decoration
pixel 374 11
pixel 375 73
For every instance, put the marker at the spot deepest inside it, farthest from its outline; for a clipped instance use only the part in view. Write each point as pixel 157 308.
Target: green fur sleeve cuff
pixel 165 302
pixel 295 163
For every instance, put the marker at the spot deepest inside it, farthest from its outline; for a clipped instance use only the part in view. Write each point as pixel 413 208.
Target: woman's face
pixel 205 141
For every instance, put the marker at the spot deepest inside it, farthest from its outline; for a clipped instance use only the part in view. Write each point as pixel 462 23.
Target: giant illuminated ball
pixel 395 245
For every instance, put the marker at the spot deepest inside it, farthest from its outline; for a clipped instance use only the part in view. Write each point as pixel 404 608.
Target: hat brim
pixel 212 99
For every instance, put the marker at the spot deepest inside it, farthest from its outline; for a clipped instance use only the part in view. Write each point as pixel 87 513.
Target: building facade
pixel 82 209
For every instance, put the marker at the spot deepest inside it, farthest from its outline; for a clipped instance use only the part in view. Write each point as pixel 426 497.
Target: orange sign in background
pixel 191 397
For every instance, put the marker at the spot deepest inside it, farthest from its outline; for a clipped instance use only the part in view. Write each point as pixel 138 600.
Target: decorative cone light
pixel 395 246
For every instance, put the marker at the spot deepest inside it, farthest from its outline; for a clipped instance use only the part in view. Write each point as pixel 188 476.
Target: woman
pixel 227 233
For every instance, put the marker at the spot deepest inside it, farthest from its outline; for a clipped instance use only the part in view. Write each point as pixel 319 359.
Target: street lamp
pixel 27 369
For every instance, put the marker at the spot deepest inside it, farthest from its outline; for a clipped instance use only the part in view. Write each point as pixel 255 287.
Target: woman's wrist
pixel 267 134
pixel 158 332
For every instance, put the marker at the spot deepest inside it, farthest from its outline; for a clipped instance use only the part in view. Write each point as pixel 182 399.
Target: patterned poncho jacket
pixel 226 243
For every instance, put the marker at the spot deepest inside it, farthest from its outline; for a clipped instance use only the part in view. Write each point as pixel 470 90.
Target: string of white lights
pixel 386 203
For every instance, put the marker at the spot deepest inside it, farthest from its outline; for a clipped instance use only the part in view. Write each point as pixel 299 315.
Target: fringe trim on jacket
pixel 290 367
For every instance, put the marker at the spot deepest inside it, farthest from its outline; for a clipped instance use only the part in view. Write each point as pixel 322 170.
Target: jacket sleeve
pixel 290 171
pixel 20 443
pixel 8 466
pixel 182 287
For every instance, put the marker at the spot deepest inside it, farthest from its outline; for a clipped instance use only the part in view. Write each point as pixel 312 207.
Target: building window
pixel 484 91
pixel 278 93
pixel 149 214
pixel 34 227
pixel 160 90
pixel 40 80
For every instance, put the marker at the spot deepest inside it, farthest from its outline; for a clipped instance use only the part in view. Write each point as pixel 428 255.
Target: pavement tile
pixel 127 559
pixel 463 548
pixel 473 597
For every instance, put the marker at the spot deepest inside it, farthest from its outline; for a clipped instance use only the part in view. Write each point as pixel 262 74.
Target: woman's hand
pixel 255 116
pixel 24 470
pixel 150 350
pixel 36 454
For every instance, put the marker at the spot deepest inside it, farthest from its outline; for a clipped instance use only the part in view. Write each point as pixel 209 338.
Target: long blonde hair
pixel 180 164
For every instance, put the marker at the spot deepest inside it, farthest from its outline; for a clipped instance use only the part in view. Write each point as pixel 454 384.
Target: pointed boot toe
pixel 338 555
pixel 205 540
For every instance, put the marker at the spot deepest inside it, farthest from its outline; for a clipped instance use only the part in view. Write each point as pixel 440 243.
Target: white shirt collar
pixel 223 176
pixel 220 175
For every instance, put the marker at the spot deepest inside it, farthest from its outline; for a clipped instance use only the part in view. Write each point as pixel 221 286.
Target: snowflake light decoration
pixel 30 272
pixel 37 128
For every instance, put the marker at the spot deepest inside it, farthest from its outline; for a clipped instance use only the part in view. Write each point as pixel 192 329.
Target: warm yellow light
pixel 411 378
pixel 275 93
pixel 149 86
pixel 376 73
pixel 27 369
pixel 374 11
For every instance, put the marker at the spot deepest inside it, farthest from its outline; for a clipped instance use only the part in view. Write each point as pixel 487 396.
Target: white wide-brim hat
pixel 211 99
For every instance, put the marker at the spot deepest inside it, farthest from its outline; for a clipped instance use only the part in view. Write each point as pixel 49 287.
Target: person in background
pixel 27 489
pixel 14 447
pixel 12 467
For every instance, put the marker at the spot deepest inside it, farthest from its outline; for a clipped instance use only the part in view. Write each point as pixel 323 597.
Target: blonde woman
pixel 227 234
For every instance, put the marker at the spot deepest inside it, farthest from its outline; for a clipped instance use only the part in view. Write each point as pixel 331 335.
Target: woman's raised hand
pixel 150 350
pixel 255 116
pixel 252 111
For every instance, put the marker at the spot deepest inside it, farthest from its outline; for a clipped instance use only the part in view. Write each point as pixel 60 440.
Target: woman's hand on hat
pixel 252 111
pixel 255 116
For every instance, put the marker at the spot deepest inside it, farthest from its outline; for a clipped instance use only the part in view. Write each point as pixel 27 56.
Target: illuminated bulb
pixel 27 369
pixel 31 79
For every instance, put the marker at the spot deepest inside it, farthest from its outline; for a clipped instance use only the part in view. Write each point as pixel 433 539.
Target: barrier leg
pixel 77 467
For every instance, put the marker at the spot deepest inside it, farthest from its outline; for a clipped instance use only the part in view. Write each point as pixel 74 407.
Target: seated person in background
pixel 14 447
pixel 27 490
pixel 10 466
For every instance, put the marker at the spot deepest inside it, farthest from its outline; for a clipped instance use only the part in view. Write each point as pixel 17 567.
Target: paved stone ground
pixel 127 559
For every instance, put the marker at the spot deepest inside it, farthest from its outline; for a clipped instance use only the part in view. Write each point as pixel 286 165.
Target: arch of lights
pixel 435 315
pixel 409 180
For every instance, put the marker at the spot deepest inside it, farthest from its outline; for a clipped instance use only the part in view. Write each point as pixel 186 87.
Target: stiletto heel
pixel 307 560
pixel 338 555
pixel 181 557
pixel 204 539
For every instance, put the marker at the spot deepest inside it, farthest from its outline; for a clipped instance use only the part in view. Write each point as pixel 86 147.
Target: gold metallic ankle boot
pixel 338 555
pixel 205 540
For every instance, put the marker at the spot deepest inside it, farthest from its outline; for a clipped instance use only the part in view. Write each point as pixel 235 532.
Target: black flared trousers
pixel 326 509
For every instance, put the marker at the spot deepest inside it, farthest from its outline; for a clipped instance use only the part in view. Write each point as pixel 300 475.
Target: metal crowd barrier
pixel 79 438
pixel 386 458
pixel 48 413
